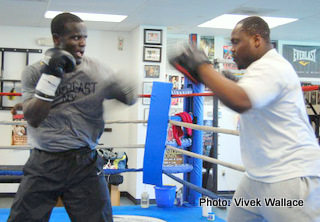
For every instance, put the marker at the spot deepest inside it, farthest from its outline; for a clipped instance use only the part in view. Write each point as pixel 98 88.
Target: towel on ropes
pixel 177 131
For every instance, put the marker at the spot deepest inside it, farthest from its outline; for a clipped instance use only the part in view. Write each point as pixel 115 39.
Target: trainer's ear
pixel 257 40
pixel 56 39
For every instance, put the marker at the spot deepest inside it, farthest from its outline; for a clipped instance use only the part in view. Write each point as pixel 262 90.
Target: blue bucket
pixel 165 195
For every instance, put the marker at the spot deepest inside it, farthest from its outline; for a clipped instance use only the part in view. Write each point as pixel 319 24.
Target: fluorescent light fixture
pixel 229 21
pixel 90 16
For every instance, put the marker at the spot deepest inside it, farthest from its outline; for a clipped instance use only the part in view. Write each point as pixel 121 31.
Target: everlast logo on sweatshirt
pixel 70 90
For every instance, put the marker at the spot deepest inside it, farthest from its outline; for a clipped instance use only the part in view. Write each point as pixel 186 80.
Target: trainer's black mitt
pixel 189 61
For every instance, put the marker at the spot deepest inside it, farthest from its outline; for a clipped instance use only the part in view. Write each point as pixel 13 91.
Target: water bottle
pixel 145 199
pixel 179 198
pixel 206 209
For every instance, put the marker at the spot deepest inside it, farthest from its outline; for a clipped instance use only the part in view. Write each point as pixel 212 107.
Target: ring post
pixel 197 145
pixel 156 133
pixel 195 105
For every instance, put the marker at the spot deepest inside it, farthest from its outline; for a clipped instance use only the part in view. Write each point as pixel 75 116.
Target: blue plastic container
pixel 165 195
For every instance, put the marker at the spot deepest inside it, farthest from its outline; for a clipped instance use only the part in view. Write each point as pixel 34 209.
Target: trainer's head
pixel 250 41
pixel 69 33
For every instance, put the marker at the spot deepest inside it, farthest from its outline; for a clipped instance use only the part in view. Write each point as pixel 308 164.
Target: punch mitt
pixel 189 61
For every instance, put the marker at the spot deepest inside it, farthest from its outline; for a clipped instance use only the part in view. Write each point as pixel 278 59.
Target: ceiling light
pixel 229 21
pixel 90 16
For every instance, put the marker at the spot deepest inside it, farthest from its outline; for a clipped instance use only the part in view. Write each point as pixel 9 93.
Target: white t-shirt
pixel 276 137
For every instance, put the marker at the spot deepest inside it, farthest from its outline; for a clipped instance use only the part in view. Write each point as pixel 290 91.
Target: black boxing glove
pixel 54 65
pixel 229 75
pixel 189 61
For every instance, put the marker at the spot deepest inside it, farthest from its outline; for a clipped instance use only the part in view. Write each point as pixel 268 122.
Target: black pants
pixel 75 176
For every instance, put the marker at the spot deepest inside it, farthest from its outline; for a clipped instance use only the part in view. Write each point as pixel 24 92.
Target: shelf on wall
pixel 20 50
pixel 2 81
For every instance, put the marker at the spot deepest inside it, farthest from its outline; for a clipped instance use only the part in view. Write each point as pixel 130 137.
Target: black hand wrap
pixel 189 61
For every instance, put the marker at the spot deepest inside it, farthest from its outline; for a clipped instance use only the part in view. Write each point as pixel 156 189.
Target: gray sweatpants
pixel 271 201
pixel 75 176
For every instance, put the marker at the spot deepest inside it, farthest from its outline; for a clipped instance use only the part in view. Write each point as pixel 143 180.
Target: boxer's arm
pixel 54 65
pixel 226 90
pixel 35 111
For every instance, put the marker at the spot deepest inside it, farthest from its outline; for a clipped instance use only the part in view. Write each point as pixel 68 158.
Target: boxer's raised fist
pixel 54 65
pixel 57 62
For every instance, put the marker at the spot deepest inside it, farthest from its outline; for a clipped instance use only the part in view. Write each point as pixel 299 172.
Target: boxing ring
pixel 155 146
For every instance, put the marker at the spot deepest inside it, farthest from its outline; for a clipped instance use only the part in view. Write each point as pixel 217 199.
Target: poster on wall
pixel 172 157
pixel 19 132
pixel 304 59
pixel 227 54
pixel 176 84
pixel 207 44
pixel 151 71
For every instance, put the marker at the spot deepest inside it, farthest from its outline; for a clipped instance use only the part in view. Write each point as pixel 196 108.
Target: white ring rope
pixel 208 159
pixel 205 128
pixel 26 147
pixel 125 121
pixel 173 122
pixel 177 123
pixel 121 146
pixel 13 122
pixel 106 122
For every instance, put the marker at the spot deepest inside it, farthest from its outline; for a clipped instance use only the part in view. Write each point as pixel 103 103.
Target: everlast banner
pixel 304 59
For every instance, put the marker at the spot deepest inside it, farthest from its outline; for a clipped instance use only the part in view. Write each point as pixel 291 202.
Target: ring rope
pixel 22 147
pixel 205 128
pixel 173 122
pixel 125 121
pixel 13 122
pixel 106 122
pixel 304 88
pixel 208 159
pixel 10 94
pixel 181 95
pixel 201 190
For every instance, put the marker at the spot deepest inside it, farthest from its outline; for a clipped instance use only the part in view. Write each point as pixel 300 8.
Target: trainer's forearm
pixel 36 110
pixel 226 90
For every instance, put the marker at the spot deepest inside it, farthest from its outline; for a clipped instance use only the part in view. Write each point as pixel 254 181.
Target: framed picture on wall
pixel 146 89
pixel 151 71
pixel 151 54
pixel 175 80
pixel 153 37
